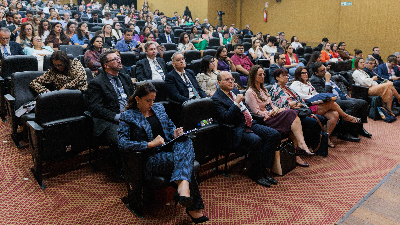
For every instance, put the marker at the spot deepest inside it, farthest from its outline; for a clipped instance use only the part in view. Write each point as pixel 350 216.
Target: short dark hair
pixel 29 12
pixel 225 32
pixel 316 66
pixel 272 39
pixel 107 14
pixel 325 39
pixel 103 58
pixel 237 45
pixel 95 12
pixel 276 56
pixel 392 59
pixel 297 73
pixel 127 30
pixel 278 72
pixel 373 49
pixel 9 14
pixel 60 55
pixel 357 51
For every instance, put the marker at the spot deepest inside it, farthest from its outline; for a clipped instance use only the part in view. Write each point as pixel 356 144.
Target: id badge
pixel 123 95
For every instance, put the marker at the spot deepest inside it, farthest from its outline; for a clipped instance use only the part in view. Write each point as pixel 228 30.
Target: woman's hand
pixel 178 132
pixel 228 60
pixel 374 78
pixel 275 111
pixel 156 142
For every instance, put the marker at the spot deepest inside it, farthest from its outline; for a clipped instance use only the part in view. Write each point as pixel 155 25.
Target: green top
pixel 226 41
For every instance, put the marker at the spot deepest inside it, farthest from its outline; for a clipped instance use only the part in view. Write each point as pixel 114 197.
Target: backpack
pixel 386 115
pixel 373 108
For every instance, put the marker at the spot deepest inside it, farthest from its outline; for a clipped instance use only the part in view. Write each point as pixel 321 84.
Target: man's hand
pixel 374 78
pixel 328 77
pixel 239 98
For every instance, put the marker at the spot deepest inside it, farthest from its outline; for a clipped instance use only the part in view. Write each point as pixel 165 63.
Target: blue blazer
pixel 177 88
pixel 383 71
pixel 15 48
pixel 227 112
pixel 134 131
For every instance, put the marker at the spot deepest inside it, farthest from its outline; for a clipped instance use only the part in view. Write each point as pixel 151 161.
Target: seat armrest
pixel 33 125
pixel 360 92
pixel 88 114
pixel 10 103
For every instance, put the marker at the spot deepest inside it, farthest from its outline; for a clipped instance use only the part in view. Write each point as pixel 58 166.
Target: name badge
pixel 123 95
pixel 160 71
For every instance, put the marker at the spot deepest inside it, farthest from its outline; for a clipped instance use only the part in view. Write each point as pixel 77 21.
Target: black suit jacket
pixel 227 112
pixel 103 100
pixel 319 84
pixel 15 48
pixel 143 69
pixel 177 88
pixel 215 34
pixel 245 31
pixel 13 36
pixel 91 20
pixel 163 39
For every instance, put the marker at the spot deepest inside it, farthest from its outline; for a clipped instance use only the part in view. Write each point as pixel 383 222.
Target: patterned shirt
pixel 76 79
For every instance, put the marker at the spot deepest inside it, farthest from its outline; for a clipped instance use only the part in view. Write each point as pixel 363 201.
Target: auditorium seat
pixel 74 50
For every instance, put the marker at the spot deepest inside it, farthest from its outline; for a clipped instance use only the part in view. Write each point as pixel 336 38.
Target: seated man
pixel 390 71
pixel 107 19
pixel 322 82
pixel 262 140
pixel 369 68
pixel 242 62
pixel 8 47
pixel 247 30
pixel 218 33
pixel 151 67
pixel 280 60
pixel 182 84
pixel 126 44
pixel 107 96
pixel 167 36
pixel 16 27
pixel 376 55
pixel 63 74
pixel 95 17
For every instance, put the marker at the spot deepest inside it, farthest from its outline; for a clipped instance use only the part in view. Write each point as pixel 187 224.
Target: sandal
pixel 330 144
pixel 353 120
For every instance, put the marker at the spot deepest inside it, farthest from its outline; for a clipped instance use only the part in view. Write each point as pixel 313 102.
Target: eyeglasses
pixel 115 59
pixel 229 79
pixel 28 29
pixel 285 75
pixel 304 72
pixel 7 38
pixel 38 39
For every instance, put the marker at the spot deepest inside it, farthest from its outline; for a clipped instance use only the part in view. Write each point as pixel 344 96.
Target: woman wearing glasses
pixel 25 36
pixel 38 50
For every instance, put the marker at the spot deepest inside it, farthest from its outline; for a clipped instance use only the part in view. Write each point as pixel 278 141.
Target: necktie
pixel 159 69
pixel 189 85
pixel 168 40
pixel 246 113
pixel 341 94
pixel 5 54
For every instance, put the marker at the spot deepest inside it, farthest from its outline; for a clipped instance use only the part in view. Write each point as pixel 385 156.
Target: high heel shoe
pixel 198 220
pixel 300 151
pixel 354 120
pixel 184 201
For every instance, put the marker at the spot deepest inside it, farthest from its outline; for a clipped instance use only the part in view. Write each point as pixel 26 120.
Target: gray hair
pixel 396 53
pixel 146 46
pixel 5 30
pixel 174 55
pixel 369 59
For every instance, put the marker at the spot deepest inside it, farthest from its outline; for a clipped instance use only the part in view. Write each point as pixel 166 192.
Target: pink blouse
pixel 255 104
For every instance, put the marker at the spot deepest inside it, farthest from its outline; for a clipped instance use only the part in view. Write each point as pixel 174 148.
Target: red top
pixel 244 61
pixel 288 59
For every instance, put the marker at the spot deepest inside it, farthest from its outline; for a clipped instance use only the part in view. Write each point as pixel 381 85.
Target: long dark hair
pixel 60 55
pixel 297 74
pixel 91 46
pixel 68 25
pixel 219 50
pixel 314 57
pixel 62 35
pixel 205 63
pixel 41 29
pixel 142 90
pixel 79 32
pixel 251 83
pixel 181 38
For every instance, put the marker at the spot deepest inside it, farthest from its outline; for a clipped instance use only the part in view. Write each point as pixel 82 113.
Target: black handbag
pixel 304 112
pixel 285 158
pixel 322 148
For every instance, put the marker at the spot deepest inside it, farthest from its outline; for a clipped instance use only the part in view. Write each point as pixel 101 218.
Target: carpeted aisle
pixel 320 194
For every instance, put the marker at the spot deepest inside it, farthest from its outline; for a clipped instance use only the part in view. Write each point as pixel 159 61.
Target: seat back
pixel 308 49
pixel 307 57
pixel 300 52
pixel 74 50
pixel 96 28
pixel 128 59
pixel 162 91
pixel 178 32
pixel 170 46
pixel 191 55
pixel 82 59
pixel 248 36
pixel 18 63
pixel 195 66
pixel 247 46
pixel 168 54
pixel 89 75
pixel 211 52
pixel 246 40
pixel 20 87
pixel 196 110
pixel 46 62
pixel 229 47
pixel 236 75
pixel 213 42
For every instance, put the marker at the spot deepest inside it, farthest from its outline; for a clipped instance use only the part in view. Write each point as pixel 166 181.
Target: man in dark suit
pixel 151 67
pixel 167 36
pixel 182 84
pixel 247 30
pixel 262 140
pixel 95 17
pixel 8 47
pixel 9 20
pixel 376 55
pixel 390 71
pixel 16 27
pixel 107 96
pixel 217 34
pixel 322 82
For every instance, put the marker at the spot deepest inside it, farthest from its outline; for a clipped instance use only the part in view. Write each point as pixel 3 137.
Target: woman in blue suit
pixel 145 126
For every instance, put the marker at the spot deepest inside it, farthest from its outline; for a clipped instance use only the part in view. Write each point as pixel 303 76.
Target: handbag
pixel 321 98
pixel 386 115
pixel 285 158
pixel 322 148
pixel 304 112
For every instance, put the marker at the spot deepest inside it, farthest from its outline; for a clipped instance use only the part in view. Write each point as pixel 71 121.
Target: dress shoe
pixel 348 137
pixel 198 220
pixel 304 164
pixel 271 180
pixel 365 133
pixel 184 201
pixel 262 181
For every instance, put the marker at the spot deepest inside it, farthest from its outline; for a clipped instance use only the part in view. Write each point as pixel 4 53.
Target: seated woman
pixel 260 37
pixel 315 57
pixel 57 37
pixel 295 43
pixel 149 37
pixel 270 48
pixel 184 43
pixel 109 40
pixel 82 36
pixel 283 120
pixel 70 29
pixel 207 78
pixel 256 51
pixel 44 29
pixel 76 17
pixel 225 38
pixel 92 55
pixel 146 127
pixel 145 31
pixel 116 32
pixel 330 110
pixel 54 17
pixel 326 53
pixel 357 54
pixel 25 36
pixel 335 54
pixel 235 39
pixel 284 97
pixel 36 23
pixel 38 50
pixel 198 42
pixel 292 62
pixel 222 62
pixel 205 34
pixel 343 53
pixel 281 47
pixel 63 74
pixel 385 90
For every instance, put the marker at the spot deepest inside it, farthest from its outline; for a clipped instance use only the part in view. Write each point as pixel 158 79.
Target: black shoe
pixel 365 133
pixel 184 201
pixel 348 137
pixel 262 181
pixel 198 220
pixel 271 180
pixel 303 164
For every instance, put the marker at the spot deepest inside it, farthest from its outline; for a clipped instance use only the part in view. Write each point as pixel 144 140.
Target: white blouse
pixel 305 91
pixel 361 78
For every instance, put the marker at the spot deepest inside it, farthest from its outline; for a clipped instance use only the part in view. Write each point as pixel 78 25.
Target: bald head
pixel 225 81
